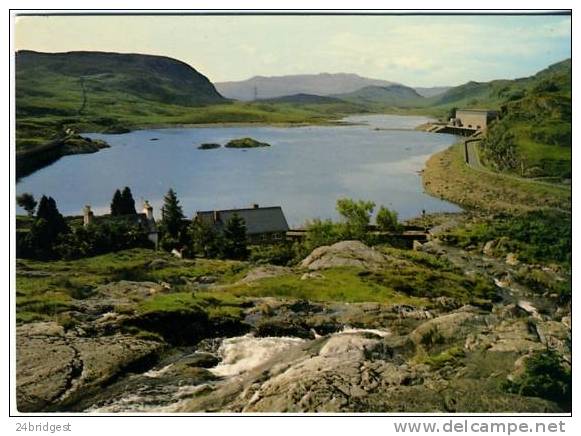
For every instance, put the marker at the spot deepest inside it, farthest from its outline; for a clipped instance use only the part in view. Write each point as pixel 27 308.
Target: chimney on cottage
pixel 148 210
pixel 87 216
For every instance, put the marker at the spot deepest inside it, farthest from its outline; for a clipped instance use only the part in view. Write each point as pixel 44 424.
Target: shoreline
pixel 445 176
pixel 31 161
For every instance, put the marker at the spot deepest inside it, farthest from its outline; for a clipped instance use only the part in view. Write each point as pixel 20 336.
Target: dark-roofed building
pixel 263 224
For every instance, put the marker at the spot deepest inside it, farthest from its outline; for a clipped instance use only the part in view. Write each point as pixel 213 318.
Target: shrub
pixel 278 254
pixel 387 220
pixel 544 377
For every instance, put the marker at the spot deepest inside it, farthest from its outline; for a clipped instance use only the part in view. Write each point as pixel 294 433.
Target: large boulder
pixel 55 369
pixel 264 272
pixel 344 253
pixel 447 328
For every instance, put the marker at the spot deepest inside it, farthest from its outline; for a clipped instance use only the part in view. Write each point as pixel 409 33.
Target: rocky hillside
pixel 383 330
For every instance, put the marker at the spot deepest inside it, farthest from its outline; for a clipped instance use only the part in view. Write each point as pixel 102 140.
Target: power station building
pixel 477 119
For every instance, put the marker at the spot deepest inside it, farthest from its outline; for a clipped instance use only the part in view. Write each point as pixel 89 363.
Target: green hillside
pixel 59 90
pixel 381 97
pixel 532 138
pixel 495 93
pixel 111 92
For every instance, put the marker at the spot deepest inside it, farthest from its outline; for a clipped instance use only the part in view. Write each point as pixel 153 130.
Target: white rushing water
pixel 378 332
pixel 243 353
pixel 238 355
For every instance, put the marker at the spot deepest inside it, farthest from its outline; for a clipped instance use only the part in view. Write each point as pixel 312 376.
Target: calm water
pixel 305 171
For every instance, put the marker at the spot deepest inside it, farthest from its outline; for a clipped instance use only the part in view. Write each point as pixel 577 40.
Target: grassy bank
pixel 448 177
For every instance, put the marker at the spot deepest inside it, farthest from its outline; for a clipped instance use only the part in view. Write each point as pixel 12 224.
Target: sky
pixel 413 50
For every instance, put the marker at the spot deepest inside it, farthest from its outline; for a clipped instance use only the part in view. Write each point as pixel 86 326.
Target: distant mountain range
pixel 302 99
pixel 261 87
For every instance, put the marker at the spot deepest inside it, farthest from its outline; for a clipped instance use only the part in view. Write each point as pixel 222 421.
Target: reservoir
pixel 306 169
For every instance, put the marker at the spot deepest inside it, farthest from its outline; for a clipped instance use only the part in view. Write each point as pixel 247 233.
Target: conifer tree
pixel 117 204
pixel 127 202
pixel 46 229
pixel 172 216
pixel 235 238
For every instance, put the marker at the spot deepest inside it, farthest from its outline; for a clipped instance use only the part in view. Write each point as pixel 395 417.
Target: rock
pixel 245 143
pixel 528 308
pixel 507 336
pixel 512 259
pixel 447 303
pixel 355 372
pixel 452 326
pixel 312 275
pixel 283 327
pixel 345 253
pixel 263 272
pixel 432 247
pixel 158 264
pixel 200 360
pixel 488 249
pixel 405 311
pixel 55 369
pixel 556 336
pixel 417 246
pixel 206 280
pixel 209 146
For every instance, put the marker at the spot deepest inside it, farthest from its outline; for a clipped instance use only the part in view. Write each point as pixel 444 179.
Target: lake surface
pixel 305 170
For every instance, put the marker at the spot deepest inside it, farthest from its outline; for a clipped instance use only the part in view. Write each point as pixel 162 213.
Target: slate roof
pixel 258 220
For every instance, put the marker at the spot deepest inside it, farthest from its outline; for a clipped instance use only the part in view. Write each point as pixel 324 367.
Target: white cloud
pixel 412 50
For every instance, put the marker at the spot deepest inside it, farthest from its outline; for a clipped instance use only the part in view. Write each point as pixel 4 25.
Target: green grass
pixel 214 304
pixel 45 289
pixel 339 284
pixel 418 277
pixel 451 356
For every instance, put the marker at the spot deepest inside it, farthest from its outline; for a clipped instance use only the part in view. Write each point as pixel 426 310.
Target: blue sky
pixel 414 50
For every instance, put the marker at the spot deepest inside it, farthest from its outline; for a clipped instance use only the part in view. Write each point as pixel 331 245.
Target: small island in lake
pixel 246 143
pixel 209 146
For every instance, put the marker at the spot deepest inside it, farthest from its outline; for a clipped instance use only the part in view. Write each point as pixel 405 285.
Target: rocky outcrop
pixel 345 253
pixel 263 272
pixel 449 327
pixel 56 368
pixel 355 371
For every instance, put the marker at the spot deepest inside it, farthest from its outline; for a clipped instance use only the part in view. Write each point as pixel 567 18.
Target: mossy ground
pixel 47 289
